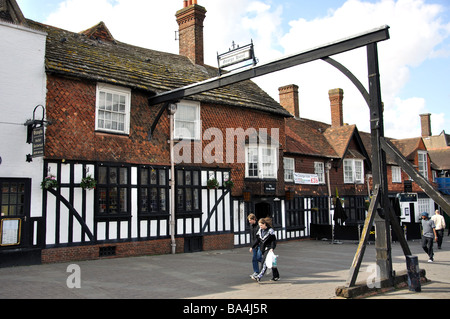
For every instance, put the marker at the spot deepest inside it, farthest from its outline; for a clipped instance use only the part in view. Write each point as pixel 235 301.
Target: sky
pixel 414 62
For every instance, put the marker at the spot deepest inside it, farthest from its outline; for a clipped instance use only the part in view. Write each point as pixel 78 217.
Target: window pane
pixel 123 175
pixel 195 178
pixel 154 200
pixel 144 200
pixel 123 200
pixel 102 200
pixel 188 199
pixel 153 177
pixel 102 174
pixel 162 177
pixel 162 197
pixel 196 199
pixel 144 176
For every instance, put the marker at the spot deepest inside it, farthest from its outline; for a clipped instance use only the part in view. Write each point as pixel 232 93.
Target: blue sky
pixel 415 62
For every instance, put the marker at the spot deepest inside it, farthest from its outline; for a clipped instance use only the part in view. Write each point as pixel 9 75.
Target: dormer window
pixel 113 109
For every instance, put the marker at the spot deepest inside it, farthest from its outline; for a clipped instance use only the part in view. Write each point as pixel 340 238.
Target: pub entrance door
pixel 263 210
pixel 15 203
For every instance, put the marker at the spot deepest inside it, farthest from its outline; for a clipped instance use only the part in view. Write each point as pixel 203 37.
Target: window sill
pixel 111 134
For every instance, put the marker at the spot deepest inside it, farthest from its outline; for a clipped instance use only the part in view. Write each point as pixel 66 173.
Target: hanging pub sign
pixel 306 179
pixel 38 142
pixel 235 56
pixel 35 133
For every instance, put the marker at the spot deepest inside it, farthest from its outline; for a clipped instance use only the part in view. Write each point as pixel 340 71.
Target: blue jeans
pixel 256 259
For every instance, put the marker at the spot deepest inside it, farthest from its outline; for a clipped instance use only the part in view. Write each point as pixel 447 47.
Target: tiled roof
pixel 407 146
pixel 440 158
pixel 340 137
pixel 306 137
pixel 312 138
pixel 102 58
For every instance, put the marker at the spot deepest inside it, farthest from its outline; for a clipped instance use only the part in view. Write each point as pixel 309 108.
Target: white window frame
pixel 101 107
pixel 353 171
pixel 396 174
pixel 319 170
pixel 180 132
pixel 289 169
pixel 422 160
pixel 266 165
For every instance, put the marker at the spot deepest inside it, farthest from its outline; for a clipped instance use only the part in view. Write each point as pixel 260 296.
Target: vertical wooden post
pixel 379 170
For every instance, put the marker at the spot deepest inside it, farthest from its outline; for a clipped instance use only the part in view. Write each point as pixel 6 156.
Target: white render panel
pixel 22 57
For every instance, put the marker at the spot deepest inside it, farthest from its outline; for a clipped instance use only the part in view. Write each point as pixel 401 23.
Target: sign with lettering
pixel 38 142
pixel 236 56
pixel 10 232
pixel 306 179
pixel 270 188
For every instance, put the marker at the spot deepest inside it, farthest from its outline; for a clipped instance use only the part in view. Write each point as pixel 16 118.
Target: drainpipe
pixel 172 110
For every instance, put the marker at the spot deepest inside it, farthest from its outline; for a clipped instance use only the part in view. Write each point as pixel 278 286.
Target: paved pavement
pixel 309 270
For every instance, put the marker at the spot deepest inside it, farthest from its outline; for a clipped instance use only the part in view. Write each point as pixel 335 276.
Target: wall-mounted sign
pixel 10 232
pixel 306 179
pixel 38 142
pixel 270 188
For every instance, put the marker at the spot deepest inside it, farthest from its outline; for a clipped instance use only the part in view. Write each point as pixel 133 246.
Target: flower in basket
pixel 229 183
pixel 212 183
pixel 88 182
pixel 49 182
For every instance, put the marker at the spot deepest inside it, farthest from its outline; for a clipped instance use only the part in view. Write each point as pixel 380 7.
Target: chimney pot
pixel 185 3
pixel 337 108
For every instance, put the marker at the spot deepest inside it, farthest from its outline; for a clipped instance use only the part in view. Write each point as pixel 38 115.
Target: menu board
pixel 10 232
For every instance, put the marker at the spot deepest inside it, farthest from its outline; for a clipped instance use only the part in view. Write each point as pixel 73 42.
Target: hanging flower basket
pixel 49 182
pixel 88 183
pixel 229 184
pixel 213 183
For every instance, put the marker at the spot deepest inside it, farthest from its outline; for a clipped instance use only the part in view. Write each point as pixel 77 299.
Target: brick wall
pixel 132 249
pixel 72 136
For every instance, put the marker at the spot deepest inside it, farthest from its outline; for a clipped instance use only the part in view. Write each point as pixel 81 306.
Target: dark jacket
pixel 266 239
pixel 253 231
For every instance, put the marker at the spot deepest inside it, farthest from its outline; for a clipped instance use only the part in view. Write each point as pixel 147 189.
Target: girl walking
pixel 267 242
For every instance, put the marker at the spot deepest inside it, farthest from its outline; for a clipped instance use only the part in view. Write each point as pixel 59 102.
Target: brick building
pixel 97 101
pixel 112 167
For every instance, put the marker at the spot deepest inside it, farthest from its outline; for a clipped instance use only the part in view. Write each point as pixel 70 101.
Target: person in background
pixel 267 241
pixel 254 227
pixel 439 222
pixel 428 235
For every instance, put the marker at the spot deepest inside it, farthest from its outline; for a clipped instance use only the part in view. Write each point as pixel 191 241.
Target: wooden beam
pixel 358 41
pixel 393 152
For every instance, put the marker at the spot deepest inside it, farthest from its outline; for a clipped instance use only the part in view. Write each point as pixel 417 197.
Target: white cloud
pixel 416 32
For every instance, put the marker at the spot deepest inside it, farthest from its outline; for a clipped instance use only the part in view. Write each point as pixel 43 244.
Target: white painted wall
pixel 22 88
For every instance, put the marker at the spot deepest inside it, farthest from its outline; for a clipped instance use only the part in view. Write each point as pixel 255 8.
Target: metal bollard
pixel 412 265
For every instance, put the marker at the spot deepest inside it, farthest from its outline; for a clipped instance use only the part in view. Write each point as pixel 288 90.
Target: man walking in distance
pixel 429 234
pixel 439 222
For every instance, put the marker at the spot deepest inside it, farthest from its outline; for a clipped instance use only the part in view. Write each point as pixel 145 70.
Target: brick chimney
pixel 337 111
pixel 190 21
pixel 289 99
pixel 425 121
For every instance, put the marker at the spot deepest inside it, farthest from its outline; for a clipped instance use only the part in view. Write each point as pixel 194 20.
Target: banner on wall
pixel 306 179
